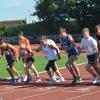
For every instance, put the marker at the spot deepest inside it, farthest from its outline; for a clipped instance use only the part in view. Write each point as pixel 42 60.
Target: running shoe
pixel 20 79
pixel 95 80
pixel 13 82
pixel 38 80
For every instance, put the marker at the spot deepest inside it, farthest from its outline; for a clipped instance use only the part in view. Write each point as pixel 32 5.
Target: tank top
pixel 8 52
pixel 66 43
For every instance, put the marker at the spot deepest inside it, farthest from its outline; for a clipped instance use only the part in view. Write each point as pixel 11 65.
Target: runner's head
pixel 2 43
pixel 85 32
pixel 43 40
pixel 62 32
pixel 21 35
pixel 97 29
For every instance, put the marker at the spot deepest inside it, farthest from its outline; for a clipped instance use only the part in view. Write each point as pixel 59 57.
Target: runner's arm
pixel 72 43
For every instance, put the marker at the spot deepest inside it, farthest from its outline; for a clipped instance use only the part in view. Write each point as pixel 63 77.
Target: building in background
pixel 12 22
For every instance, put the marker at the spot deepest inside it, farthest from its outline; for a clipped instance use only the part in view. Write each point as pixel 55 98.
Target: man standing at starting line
pixel 11 55
pixel 51 52
pixel 69 46
pixel 90 45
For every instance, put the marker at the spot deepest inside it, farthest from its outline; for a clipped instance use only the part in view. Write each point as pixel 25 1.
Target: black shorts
pixel 91 59
pixel 10 61
pixel 30 59
pixel 51 64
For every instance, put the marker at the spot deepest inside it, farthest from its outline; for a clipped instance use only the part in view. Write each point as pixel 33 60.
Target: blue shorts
pixel 73 52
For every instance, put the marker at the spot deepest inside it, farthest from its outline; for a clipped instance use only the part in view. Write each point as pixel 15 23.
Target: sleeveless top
pixel 9 53
pixel 66 43
pixel 98 40
pixel 24 52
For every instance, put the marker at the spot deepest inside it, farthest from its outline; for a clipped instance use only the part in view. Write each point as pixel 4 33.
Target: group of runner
pixel 52 53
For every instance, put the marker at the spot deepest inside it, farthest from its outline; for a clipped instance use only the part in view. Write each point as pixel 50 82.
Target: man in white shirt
pixel 51 52
pixel 90 45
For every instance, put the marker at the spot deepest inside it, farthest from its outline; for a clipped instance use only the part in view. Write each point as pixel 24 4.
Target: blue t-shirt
pixel 66 43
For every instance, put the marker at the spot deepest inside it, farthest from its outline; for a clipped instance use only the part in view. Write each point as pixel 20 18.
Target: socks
pixel 10 73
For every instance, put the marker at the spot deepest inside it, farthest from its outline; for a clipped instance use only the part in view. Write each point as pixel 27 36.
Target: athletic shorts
pixel 91 58
pixel 30 59
pixel 10 61
pixel 51 64
pixel 75 55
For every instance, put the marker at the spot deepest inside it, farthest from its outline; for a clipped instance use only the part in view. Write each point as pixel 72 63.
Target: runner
pixel 51 52
pixel 26 54
pixel 97 34
pixel 11 55
pixel 90 45
pixel 68 45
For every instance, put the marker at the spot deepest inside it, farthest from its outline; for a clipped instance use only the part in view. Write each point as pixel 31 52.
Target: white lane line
pixel 48 88
pixel 76 97
pixel 10 92
pixel 82 89
pixel 75 91
pixel 41 94
pixel 86 88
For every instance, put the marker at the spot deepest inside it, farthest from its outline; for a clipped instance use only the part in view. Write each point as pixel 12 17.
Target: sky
pixel 17 9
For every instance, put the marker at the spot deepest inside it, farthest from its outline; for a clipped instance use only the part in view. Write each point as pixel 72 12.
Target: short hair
pixel 62 29
pixel 1 41
pixel 43 38
pixel 97 27
pixel 21 33
pixel 85 30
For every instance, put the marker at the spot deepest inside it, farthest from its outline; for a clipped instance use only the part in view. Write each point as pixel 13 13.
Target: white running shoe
pixel 56 77
pixel 95 80
pixel 51 81
pixel 62 79
pixel 20 79
pixel 38 80
pixel 25 78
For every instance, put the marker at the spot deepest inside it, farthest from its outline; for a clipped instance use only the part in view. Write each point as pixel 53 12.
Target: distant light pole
pixel 29 15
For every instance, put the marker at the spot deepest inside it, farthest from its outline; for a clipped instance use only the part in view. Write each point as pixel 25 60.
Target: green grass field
pixel 40 63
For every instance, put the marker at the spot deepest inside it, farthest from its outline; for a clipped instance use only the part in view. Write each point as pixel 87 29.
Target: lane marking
pixel 76 97
pixel 75 91
pixel 40 94
pixel 86 88
pixel 48 87
pixel 22 89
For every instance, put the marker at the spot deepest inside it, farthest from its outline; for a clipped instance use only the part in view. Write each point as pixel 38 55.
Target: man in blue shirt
pixel 68 45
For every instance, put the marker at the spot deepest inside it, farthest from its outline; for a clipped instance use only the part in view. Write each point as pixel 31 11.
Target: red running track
pixel 61 91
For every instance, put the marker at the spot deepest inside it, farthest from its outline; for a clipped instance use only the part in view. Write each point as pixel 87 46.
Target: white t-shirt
pixel 50 53
pixel 89 45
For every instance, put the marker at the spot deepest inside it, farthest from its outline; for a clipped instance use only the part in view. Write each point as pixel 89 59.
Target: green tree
pixel 56 12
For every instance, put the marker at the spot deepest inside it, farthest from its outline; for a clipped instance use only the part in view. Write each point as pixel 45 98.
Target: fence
pixel 35 39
